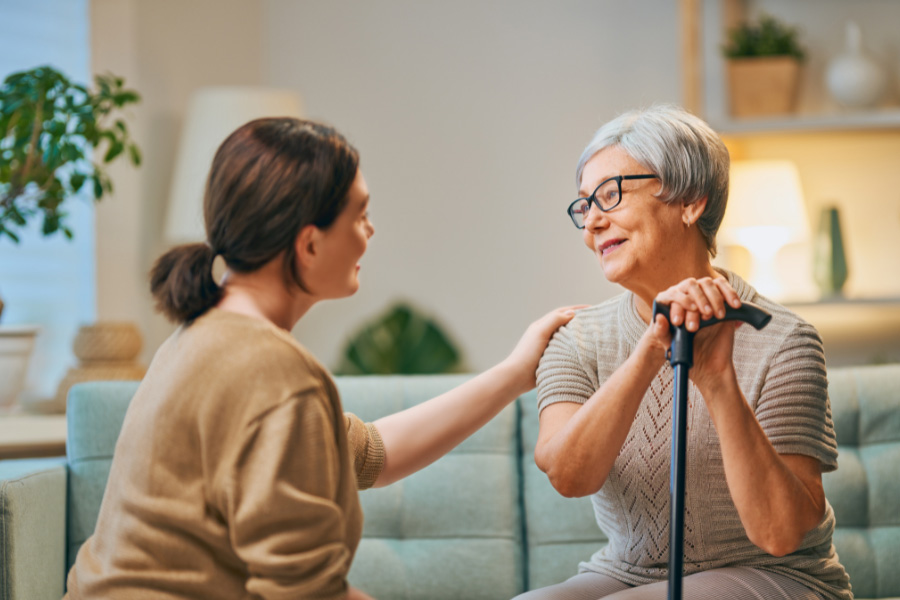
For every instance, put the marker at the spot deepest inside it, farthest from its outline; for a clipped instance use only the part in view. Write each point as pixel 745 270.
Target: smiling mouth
pixel 610 245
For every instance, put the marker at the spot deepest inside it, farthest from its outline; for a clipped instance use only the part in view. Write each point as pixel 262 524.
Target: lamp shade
pixel 765 205
pixel 765 212
pixel 213 113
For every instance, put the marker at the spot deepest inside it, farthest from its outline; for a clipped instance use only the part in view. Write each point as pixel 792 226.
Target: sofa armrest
pixel 32 529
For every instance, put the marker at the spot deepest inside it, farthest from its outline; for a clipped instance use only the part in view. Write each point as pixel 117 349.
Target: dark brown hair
pixel 269 179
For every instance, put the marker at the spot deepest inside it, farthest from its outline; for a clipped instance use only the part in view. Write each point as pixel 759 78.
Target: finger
pixel 675 295
pixel 698 297
pixel 731 296
pixel 572 308
pixel 661 330
pixel 677 314
pixel 714 297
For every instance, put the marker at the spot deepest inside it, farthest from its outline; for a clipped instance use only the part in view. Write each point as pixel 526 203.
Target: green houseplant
pixel 400 341
pixel 763 61
pixel 57 135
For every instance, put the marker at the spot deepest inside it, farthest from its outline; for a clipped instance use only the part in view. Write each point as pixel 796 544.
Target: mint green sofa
pixel 482 522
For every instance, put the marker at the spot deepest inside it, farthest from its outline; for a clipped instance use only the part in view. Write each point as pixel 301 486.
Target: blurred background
pixel 469 117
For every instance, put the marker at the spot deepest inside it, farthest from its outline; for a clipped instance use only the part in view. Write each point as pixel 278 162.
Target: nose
pixel 594 219
pixel 370 230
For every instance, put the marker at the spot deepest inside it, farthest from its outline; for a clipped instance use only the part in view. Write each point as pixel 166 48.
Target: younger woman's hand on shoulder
pixel 525 356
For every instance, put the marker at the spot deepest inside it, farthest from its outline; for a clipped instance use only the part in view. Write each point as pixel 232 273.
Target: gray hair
pixel 691 160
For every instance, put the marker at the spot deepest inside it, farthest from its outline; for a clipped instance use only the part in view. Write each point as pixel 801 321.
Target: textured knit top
pixel 234 476
pixel 781 372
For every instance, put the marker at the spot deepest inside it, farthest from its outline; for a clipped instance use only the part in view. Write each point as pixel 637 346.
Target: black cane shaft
pixel 677 478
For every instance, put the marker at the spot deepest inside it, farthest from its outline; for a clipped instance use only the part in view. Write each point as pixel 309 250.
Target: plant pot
pixel 765 86
pixel 107 341
pixel 16 346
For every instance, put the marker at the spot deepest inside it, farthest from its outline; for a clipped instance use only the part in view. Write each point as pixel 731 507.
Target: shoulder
pixel 251 360
pixel 595 322
pixel 787 334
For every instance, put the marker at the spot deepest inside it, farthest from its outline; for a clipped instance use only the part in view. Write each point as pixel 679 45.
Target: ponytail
pixel 182 282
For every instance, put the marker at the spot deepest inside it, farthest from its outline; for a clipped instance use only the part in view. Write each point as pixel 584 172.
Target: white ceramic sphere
pixel 856 81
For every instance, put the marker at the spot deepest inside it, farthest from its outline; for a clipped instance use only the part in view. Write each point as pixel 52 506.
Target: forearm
pixel 416 437
pixel 775 506
pixel 579 456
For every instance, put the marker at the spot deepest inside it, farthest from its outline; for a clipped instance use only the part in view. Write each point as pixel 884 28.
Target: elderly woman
pixel 653 186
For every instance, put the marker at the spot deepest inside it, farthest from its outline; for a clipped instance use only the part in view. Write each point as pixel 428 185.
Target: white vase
pixel 854 78
pixel 16 345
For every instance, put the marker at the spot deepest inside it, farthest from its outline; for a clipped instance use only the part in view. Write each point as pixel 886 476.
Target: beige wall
pixel 469 117
pixel 165 49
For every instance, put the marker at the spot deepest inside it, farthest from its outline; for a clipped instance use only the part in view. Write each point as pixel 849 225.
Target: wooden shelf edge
pixel 849 121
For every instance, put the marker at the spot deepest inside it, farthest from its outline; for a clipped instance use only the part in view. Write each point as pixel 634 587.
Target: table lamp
pixel 765 213
pixel 213 113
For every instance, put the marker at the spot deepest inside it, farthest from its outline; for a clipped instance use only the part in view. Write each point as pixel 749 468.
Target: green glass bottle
pixel 830 261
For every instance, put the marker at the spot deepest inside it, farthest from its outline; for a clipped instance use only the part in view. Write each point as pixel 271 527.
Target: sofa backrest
pixel 865 489
pixel 452 530
pixel 561 532
pixel 95 413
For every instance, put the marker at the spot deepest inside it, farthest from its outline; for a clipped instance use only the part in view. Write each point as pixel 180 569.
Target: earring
pixel 687 222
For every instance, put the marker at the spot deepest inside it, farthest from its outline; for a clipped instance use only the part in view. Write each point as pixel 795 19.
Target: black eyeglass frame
pixel 592 199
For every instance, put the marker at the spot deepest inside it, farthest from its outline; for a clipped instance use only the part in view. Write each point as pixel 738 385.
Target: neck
pixel 646 291
pixel 263 294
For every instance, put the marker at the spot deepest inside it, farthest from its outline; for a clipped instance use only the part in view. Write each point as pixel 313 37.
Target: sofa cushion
pixel 864 491
pixel 32 528
pixel 452 530
pixel 561 532
pixel 96 411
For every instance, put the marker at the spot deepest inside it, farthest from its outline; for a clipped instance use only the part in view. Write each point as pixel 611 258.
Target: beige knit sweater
pixel 235 474
pixel 781 371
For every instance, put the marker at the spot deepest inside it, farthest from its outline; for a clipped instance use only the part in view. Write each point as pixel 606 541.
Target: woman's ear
pixel 306 246
pixel 690 213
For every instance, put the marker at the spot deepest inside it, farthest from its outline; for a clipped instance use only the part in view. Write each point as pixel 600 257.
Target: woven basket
pixel 107 341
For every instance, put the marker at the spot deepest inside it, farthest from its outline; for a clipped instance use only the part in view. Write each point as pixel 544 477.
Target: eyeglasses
pixel 606 196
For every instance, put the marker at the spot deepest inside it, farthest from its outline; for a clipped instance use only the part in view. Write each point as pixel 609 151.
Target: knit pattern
pixel 781 372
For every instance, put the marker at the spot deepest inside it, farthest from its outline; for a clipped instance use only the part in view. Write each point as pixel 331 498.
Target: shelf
pixel 855 330
pixel 705 24
pixel 845 121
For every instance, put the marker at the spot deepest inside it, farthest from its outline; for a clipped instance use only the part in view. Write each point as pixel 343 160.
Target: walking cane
pixel 681 357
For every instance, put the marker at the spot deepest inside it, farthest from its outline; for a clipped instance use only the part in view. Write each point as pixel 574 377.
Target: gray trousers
pixel 731 583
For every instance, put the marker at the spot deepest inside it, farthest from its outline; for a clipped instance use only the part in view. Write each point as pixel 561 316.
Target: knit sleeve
pixel 367 450
pixel 793 407
pixel 284 520
pixel 561 376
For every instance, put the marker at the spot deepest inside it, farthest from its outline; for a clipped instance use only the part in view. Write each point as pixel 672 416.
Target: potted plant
pixel 401 341
pixel 763 61
pixel 55 137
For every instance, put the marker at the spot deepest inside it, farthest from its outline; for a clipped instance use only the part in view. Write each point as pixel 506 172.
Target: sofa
pixel 482 522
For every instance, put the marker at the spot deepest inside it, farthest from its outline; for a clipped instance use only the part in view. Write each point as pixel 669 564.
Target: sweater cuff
pixel 368 451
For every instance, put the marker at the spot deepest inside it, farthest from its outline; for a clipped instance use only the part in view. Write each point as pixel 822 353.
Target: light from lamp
pixel 765 213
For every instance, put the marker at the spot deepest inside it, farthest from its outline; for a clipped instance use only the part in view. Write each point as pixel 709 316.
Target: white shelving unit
pixel 714 15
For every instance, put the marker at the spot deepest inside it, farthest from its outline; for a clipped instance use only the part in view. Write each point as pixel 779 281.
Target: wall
pixel 165 49
pixel 470 117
